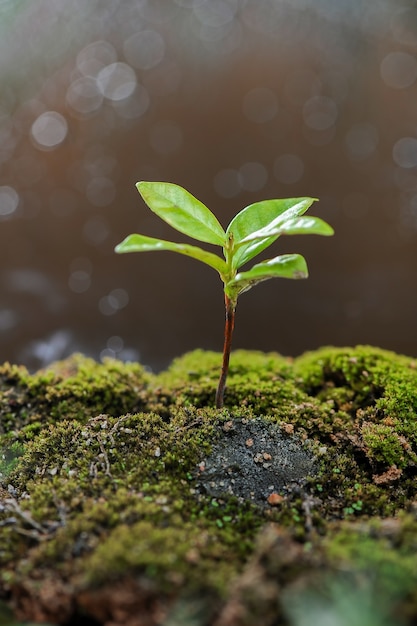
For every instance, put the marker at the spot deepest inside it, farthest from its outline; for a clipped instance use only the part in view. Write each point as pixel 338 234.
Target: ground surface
pixel 127 500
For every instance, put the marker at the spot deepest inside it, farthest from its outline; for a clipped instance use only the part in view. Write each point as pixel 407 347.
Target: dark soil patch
pixel 253 460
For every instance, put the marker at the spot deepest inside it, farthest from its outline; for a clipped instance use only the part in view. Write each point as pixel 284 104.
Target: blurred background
pixel 238 101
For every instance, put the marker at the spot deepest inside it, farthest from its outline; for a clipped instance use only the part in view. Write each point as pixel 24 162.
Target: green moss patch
pixel 113 478
pixel 77 388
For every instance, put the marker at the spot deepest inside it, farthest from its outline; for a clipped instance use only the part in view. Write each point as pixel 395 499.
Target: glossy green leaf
pixel 284 266
pixel 246 252
pixel 141 243
pixel 255 218
pixel 182 211
pixel 292 226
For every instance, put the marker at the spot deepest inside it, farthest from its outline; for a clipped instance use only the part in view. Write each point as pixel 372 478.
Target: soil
pixel 254 460
pixel 126 499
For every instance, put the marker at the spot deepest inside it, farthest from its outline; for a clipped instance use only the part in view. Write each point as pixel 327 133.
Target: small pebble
pixel 274 499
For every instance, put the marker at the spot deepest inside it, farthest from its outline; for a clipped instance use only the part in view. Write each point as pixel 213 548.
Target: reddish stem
pixel 228 332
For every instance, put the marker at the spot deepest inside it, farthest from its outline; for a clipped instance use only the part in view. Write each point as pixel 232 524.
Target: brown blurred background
pixel 238 101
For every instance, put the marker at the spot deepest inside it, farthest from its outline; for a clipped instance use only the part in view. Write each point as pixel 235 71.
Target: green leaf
pixel 141 243
pixel 293 226
pixel 284 266
pixel 258 216
pixel 182 211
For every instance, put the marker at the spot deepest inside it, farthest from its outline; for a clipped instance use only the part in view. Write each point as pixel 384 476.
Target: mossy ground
pixel 126 499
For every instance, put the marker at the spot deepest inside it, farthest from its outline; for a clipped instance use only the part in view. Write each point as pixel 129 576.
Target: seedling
pixel 251 231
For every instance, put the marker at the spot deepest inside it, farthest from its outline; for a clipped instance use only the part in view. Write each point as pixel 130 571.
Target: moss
pixel 362 377
pixel 109 472
pixel 166 554
pixel 255 380
pixel 385 445
pixel 383 552
pixel 86 482
pixel 77 388
pixel 109 387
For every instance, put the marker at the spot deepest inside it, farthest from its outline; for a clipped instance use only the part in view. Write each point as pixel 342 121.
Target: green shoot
pixel 251 231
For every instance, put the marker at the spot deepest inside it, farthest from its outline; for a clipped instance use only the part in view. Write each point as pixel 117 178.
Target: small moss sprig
pixel 252 230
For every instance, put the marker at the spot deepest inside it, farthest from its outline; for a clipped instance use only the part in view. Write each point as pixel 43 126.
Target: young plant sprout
pixel 251 231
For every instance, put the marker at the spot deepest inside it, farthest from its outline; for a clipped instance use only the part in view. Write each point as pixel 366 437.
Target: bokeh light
pixel 9 200
pixel 238 101
pixel 49 130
